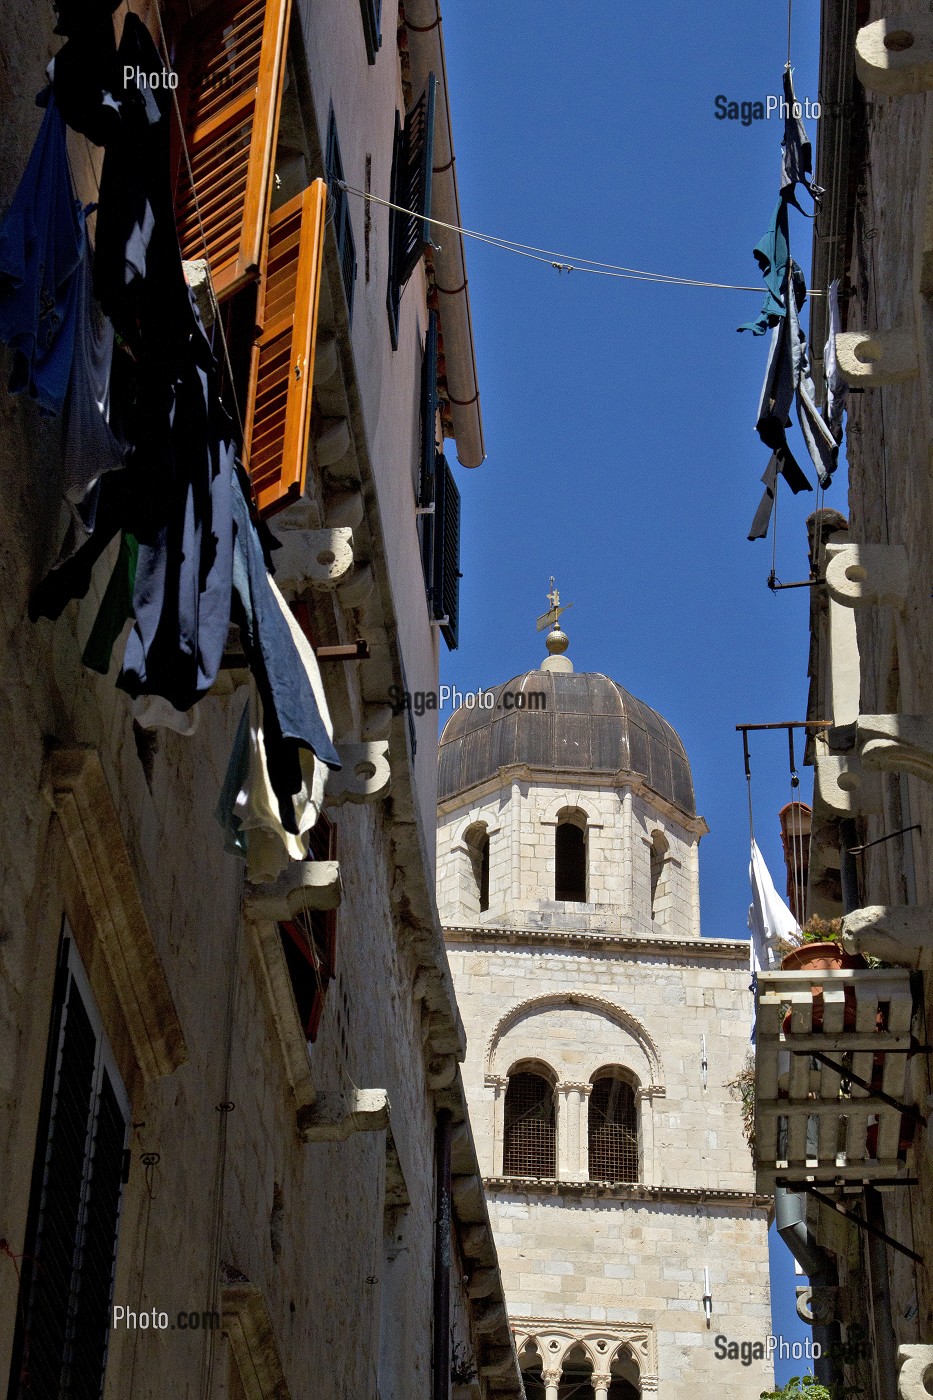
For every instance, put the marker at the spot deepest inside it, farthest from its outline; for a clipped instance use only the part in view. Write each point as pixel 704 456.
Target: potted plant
pixel 821 949
pixel 799 1388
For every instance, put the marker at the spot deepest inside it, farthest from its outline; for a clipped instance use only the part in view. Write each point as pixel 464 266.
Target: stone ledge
pixel 248 1326
pixel 728 948
pixel 625 1191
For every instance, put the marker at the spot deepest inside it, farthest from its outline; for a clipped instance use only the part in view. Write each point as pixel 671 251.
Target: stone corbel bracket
pixel 895 56
pixel 321 559
pixel 897 743
pixel 869 359
pixel 76 787
pixel 895 933
pixel 861 574
pixel 365 775
pixel 336 1116
pixel 914 1370
pixel 844 786
pixel 249 1330
pixel 304 885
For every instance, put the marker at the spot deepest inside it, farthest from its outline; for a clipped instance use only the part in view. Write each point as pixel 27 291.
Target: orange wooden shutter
pixel 278 411
pixel 234 65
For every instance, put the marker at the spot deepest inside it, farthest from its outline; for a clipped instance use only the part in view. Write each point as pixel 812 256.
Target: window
pixel 570 857
pixel 412 171
pixel 445 566
pixel 340 211
pixel 371 11
pixel 78 1175
pixel 477 843
pixel 659 850
pixel 613 1129
pixel 309 943
pixel 530 1139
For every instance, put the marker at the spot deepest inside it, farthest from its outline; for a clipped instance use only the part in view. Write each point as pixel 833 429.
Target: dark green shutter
pixel 372 15
pixel 340 213
pixel 412 174
pixel 445 591
pixel 428 413
pixel 61 1345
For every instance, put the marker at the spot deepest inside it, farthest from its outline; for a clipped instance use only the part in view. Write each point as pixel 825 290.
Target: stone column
pixel 551 1383
pixel 498 1084
pixel 572 1155
pixel 601 1383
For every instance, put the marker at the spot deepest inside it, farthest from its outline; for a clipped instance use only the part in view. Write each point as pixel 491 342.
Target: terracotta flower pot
pixel 818 957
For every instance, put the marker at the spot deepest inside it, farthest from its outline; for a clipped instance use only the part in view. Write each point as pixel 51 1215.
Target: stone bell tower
pixel 602 1033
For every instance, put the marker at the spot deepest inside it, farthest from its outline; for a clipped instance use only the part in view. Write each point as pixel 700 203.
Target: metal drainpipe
pixel 790 1218
pixel 441 1368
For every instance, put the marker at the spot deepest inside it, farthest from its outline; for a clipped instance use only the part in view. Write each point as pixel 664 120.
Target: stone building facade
pixel 602 1033
pixel 275 1187
pixel 864 1237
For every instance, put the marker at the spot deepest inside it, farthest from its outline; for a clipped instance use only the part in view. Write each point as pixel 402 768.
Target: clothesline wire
pixel 218 319
pixel 561 262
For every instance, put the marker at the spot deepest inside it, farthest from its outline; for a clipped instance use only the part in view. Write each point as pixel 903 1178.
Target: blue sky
pixel 619 416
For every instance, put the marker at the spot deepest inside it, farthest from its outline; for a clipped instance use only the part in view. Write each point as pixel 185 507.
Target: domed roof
pixel 586 724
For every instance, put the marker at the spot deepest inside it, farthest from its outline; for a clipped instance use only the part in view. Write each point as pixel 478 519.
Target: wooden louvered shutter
pixel 445 592
pixel 77 1187
pixel 282 368
pixel 233 58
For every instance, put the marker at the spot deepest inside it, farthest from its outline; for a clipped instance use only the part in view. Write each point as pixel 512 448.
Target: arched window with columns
pixel 530 1127
pixel 613 1137
pixel 570 856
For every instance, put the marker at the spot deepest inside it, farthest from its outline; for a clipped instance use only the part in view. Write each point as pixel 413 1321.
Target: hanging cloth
pixel 41 246
pixel 797 153
pixel 836 387
pixel 771 922
pixel 292 715
pixel 772 254
pixel 116 608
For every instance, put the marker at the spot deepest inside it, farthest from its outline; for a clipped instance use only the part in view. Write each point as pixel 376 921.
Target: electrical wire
pixel 561 262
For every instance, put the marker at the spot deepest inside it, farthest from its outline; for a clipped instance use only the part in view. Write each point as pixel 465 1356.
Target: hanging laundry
pixel 773 926
pixel 836 387
pixel 85 73
pixel 116 608
pixel 292 715
pixel 90 445
pixel 772 255
pixel 41 245
pixel 797 159
pixel 235 780
pixel 138 274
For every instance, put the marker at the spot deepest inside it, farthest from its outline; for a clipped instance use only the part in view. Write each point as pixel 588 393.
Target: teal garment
pixel 235 838
pixel 772 254
pixel 116 607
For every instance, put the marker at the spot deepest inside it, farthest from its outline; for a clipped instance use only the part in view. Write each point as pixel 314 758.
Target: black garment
pixel 797 158
pixel 138 275
pixel 86 76
pixel 291 718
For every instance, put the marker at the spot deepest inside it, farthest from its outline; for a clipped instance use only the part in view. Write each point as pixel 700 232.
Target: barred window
pixel 530 1131
pixel 613 1130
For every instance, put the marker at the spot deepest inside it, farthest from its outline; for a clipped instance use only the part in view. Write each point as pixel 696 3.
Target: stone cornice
pixel 726 949
pixel 627 1191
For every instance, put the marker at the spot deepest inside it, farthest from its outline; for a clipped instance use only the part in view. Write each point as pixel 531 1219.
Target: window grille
pixel 570 862
pixel 530 1138
pixel 613 1131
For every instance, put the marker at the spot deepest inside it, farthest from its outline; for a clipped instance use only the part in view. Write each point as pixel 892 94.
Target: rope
pixel 218 319
pixel 790 13
pixel 561 262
